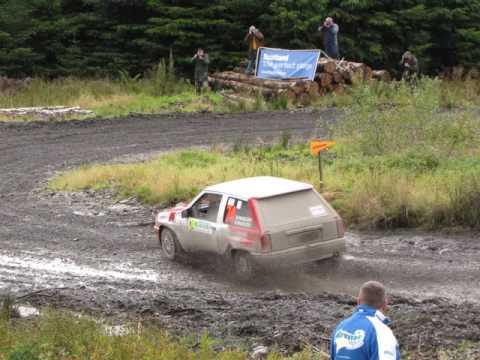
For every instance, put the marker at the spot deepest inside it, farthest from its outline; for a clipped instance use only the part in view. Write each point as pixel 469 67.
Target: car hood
pixel 166 214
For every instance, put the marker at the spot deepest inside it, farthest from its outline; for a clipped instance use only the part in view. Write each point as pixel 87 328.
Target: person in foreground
pixel 365 335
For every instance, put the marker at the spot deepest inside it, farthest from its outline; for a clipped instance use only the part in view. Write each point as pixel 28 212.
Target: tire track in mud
pixel 92 264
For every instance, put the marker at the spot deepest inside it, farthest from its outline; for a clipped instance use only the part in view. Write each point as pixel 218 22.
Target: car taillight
pixel 340 227
pixel 266 242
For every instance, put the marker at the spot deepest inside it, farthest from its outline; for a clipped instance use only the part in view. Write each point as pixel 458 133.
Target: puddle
pixel 27 311
pixel 41 268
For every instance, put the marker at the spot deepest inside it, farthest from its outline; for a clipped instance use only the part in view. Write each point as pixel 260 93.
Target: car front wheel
pixel 170 246
pixel 243 266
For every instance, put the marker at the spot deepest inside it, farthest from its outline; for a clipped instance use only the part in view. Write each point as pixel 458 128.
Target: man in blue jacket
pixel 365 335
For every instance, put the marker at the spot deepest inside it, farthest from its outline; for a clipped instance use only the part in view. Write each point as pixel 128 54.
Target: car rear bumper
pixel 301 254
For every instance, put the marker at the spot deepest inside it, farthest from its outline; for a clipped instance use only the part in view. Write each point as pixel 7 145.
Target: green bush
pixel 24 352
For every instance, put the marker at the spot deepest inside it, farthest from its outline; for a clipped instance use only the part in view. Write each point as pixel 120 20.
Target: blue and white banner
pixel 287 64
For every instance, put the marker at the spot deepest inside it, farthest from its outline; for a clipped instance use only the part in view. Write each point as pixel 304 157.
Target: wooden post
pixel 320 170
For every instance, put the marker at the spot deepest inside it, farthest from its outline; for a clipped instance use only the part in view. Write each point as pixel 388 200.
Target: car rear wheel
pixel 243 266
pixel 170 246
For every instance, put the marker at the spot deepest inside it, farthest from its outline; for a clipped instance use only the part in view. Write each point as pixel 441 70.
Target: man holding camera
pixel 201 70
pixel 409 64
pixel 329 31
pixel 254 39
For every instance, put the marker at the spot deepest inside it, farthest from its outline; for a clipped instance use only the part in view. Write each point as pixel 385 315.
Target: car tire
pixel 170 246
pixel 243 266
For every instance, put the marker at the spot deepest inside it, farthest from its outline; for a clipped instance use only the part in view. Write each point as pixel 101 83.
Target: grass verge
pixel 409 165
pixel 160 90
pixel 56 335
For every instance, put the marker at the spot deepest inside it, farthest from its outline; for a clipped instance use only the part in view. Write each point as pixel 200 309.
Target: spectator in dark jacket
pixel 201 70
pixel 254 39
pixel 329 32
pixel 409 64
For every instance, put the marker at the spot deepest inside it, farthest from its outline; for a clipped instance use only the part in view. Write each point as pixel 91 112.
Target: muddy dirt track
pixel 87 252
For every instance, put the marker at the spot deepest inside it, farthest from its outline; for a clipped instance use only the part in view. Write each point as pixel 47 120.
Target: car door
pixel 237 229
pixel 203 223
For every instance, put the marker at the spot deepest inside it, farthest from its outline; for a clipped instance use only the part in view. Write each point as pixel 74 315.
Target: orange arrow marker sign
pixel 316 146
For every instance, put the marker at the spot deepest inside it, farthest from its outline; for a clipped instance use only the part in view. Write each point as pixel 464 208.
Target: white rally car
pixel 254 222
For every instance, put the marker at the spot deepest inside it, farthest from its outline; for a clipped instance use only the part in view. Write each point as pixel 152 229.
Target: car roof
pixel 259 187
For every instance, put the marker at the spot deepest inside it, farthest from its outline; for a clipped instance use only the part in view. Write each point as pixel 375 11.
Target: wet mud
pixel 90 252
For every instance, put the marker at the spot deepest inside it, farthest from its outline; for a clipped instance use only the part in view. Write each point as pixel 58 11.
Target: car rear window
pixel 238 213
pixel 292 207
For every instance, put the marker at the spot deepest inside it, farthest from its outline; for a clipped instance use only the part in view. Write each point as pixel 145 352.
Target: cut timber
pixel 304 99
pixel 313 89
pixel 299 87
pixel 46 111
pixel 338 88
pixel 325 79
pixel 367 73
pixel 338 77
pixel 381 75
pixel 235 98
pixel 235 76
pixel 242 87
pixel 291 96
pixel 327 65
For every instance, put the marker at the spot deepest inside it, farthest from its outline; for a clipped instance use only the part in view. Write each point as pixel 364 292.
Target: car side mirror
pixel 187 213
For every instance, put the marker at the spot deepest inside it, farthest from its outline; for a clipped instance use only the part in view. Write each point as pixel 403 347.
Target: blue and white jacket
pixel 364 336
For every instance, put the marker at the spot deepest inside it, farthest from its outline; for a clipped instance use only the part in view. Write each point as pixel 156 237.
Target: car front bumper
pixel 301 254
pixel 156 228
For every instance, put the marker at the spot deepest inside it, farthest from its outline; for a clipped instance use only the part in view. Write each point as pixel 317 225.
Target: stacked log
pixel 331 76
pixel 459 73
pixel 382 75
pixel 49 111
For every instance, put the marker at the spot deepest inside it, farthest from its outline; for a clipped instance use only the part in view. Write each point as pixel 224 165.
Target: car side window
pixel 206 208
pixel 238 213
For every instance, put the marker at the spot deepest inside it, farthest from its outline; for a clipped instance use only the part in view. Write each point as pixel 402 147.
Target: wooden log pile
pixel 332 76
pixel 460 73
pixel 51 111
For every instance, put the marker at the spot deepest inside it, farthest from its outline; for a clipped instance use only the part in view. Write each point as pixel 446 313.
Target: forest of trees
pixel 102 37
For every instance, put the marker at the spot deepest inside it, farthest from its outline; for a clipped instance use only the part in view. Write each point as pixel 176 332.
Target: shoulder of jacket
pixel 383 331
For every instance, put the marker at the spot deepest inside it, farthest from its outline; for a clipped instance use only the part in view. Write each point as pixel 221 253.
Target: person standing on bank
pixel 329 32
pixel 365 335
pixel 409 64
pixel 201 70
pixel 254 39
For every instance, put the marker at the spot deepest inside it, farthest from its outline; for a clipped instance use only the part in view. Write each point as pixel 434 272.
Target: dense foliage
pixel 85 37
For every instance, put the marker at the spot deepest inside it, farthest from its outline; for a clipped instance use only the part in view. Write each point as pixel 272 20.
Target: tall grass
pixel 412 164
pixel 449 94
pixel 57 336
pixel 159 89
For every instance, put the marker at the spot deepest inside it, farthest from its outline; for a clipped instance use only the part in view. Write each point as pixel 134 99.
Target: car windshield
pixel 290 208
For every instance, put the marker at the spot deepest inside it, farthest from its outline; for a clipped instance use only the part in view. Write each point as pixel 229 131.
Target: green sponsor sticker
pixel 199 225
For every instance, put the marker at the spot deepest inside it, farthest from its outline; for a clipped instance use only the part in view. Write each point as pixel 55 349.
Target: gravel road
pixel 88 252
